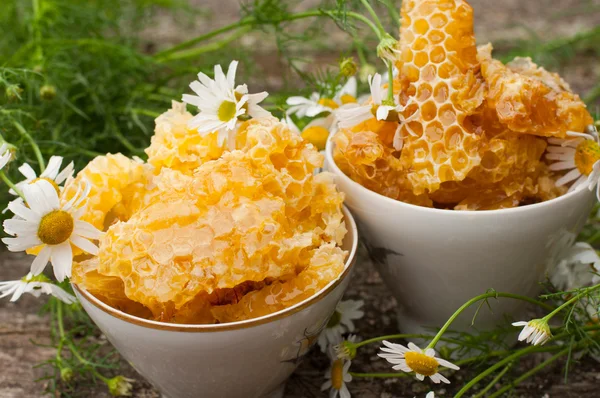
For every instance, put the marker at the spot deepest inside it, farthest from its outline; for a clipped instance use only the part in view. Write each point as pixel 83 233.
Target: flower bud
pixel 47 92
pixel 348 67
pixel 120 386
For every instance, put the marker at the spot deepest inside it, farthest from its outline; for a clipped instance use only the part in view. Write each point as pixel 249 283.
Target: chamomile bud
pixel 348 67
pixel 47 92
pixel 387 49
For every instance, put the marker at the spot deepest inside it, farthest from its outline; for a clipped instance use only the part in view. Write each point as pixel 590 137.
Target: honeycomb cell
pixel 254 218
pixel 177 147
pixel 530 100
pixel 112 179
pixel 455 55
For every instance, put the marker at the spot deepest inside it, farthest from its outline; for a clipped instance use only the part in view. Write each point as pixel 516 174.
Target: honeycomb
pixel 530 100
pixel 366 154
pixel 113 179
pixel 177 147
pixel 474 130
pixel 254 220
pixel 438 65
pixel 326 262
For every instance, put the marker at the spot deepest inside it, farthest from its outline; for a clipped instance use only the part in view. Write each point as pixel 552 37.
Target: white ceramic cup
pixel 433 260
pixel 246 359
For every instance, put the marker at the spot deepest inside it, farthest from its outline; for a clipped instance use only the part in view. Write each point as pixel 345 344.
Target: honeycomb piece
pixel 508 155
pixel 108 289
pixel 326 263
pixel 366 155
pixel 442 87
pixel 175 146
pixel 252 216
pixel 112 179
pixel 530 100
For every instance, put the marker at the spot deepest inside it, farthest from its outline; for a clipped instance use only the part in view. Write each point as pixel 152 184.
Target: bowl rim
pixel 284 313
pixel 333 167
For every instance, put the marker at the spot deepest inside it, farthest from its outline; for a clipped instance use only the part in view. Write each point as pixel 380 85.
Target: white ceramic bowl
pixel 433 260
pixel 246 359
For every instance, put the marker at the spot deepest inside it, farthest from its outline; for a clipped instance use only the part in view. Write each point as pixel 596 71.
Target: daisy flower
pixel 346 349
pixel 52 174
pixel 413 359
pixel 221 103
pixel 315 104
pixel 5 155
pixel 316 132
pixel 52 227
pixel 579 157
pixel 336 378
pixel 536 331
pixel 120 386
pixel 341 322
pixel 387 49
pixel 354 114
pixel 576 267
pixel 34 285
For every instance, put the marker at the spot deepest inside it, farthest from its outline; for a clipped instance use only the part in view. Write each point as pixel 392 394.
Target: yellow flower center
pixel 328 102
pixel 226 111
pixel 586 154
pixel 348 99
pixel 316 135
pixel 56 227
pixel 421 363
pixel 55 185
pixel 337 374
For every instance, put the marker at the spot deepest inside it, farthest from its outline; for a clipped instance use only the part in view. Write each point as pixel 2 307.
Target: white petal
pixel 52 168
pixel 84 245
pixel 231 73
pixel 62 260
pixel 17 207
pixel 564 165
pixel 87 230
pixel 66 173
pixel 28 171
pixel 21 243
pixel 570 176
pixel 447 364
pixel 40 261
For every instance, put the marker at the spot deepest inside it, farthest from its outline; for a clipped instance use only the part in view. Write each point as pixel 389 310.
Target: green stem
pixel 206 36
pixel 479 298
pixel 170 53
pixel 517 355
pixel 36 148
pixel 494 381
pixel 379 375
pixel 390 67
pixel 492 368
pixel 374 16
pixel 571 301
pixel 145 112
pixel 8 182
pixel 400 336
pixel 530 373
pixel 205 49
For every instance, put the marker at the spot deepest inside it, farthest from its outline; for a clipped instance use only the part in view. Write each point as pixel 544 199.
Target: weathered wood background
pixel 495 20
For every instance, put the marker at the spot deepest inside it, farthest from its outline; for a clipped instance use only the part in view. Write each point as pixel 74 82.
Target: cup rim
pixel 333 167
pixel 150 324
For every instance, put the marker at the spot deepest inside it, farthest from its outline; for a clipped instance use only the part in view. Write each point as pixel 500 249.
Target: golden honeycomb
pixel 366 154
pixel 530 100
pixel 474 130
pixel 438 64
pixel 112 179
pixel 175 146
pixel 254 219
